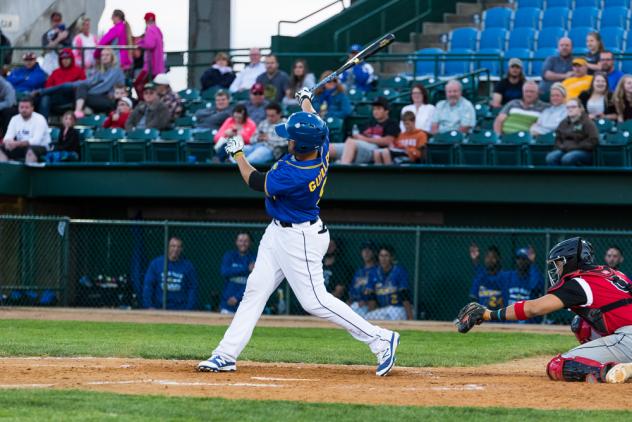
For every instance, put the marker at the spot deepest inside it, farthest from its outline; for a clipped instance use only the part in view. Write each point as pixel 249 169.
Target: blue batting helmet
pixel 355 48
pixel 307 130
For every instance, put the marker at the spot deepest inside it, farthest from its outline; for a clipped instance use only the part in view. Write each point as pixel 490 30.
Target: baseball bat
pixel 361 56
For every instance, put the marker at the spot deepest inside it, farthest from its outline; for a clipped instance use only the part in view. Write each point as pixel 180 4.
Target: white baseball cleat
pixel 619 373
pixel 386 358
pixel 216 364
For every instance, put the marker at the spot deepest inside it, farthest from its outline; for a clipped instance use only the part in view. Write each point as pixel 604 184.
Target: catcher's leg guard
pixel 577 369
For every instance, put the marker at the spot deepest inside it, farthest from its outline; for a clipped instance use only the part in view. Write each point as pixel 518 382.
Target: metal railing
pixel 325 7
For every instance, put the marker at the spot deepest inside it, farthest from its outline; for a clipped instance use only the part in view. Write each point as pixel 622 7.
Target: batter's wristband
pixel 499 315
pixel 238 153
pixel 519 311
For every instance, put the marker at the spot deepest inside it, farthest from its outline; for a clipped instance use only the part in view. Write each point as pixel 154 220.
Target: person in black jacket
pixel 597 100
pixel 67 147
pixel 220 75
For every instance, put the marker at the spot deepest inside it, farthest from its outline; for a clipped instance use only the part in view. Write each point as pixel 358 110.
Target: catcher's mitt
pixel 470 315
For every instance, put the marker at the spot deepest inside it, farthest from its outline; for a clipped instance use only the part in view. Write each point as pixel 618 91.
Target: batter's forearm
pixel 307 106
pixel 245 168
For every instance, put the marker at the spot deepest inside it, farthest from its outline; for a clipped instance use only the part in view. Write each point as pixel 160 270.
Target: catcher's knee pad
pixel 577 369
pixel 581 329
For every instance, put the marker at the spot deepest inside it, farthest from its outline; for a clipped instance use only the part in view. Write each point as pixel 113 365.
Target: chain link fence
pixel 56 261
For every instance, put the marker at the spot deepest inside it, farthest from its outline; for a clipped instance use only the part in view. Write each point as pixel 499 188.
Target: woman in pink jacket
pixel 119 34
pixel 154 62
pixel 239 124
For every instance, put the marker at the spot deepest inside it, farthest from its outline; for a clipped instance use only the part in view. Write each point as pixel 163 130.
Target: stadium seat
pixel 493 38
pixel 607 4
pixel 85 133
pixel 612 38
pixel 181 135
pixel 497 17
pixel 109 133
pixel 442 148
pixel 336 129
pixel 388 93
pixel 209 94
pixel 556 17
pixel 493 64
pixel 528 17
pixel 523 54
pixel 429 67
pixel 616 17
pixel 539 4
pixel 131 150
pixel 463 38
pixel 538 60
pixel 185 121
pixel 54 133
pixel 585 17
pixel 100 148
pixel 189 94
pixel 197 105
pixel 614 150
pixel 567 4
pixel 626 64
pixel 548 37
pixel 91 121
pixel 578 37
pixel 522 38
pixel 510 150
pixel 476 151
pixel 355 95
pixel 604 125
pixel 458 61
pixel 143 134
pixel 537 150
pixel 165 150
pixel 625 126
pixel 395 82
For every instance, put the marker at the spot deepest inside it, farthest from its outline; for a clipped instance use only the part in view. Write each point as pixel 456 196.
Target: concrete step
pixel 402 47
pixel 496 3
pixel 465 9
pixel 428 41
pixel 430 28
pixel 453 18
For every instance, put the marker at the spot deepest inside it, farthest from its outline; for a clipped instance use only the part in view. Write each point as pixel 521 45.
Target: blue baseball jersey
pixel 387 287
pixel 357 290
pixel 487 288
pixel 293 188
pixel 182 284
pixel 235 270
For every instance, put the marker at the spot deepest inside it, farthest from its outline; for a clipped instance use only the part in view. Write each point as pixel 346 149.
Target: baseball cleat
pixel 619 373
pixel 386 358
pixel 216 364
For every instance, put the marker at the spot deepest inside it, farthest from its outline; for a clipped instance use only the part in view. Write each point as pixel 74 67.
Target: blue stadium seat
pixel 578 37
pixel 425 68
pixel 497 17
pixel 587 3
pixel 523 54
pixel 530 3
pixel 522 38
pixel 548 37
pixel 460 64
pixel 463 38
pixel 607 4
pixel 529 17
pixel 493 38
pixel 556 17
pixel 612 38
pixel 614 17
pixel 626 65
pixel 558 3
pixel 493 64
pixel 585 17
pixel 541 54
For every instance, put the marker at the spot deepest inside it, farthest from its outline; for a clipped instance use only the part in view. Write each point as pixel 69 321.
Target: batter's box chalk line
pixel 184 383
pixel 284 379
pixel 466 387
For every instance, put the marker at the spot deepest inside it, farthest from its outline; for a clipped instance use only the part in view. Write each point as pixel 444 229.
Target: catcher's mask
pixel 568 256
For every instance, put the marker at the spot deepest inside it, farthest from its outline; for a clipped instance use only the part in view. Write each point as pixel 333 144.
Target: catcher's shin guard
pixel 577 369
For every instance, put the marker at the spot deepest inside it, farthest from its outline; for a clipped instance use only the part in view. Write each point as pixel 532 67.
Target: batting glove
pixel 304 94
pixel 234 146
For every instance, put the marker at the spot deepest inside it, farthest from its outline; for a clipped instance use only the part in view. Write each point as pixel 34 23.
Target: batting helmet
pixel 307 130
pixel 573 253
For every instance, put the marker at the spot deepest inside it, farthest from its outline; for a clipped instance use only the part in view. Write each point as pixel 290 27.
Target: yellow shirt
pixel 574 86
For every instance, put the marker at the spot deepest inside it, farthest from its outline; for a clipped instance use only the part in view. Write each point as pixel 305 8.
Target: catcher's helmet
pixel 573 253
pixel 307 130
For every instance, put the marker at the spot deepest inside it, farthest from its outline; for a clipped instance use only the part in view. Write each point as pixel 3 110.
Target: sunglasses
pixel 257 93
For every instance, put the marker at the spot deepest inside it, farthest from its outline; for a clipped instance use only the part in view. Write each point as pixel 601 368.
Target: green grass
pixel 307 345
pixel 50 405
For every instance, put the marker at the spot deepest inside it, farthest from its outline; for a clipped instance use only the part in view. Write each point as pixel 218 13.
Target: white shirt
pixel 33 130
pixel 247 77
pixel 423 116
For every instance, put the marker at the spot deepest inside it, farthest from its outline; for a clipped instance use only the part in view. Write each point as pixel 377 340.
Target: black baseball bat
pixel 368 51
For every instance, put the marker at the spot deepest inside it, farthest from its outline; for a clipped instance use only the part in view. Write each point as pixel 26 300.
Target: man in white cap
pixel 167 96
pixel 510 87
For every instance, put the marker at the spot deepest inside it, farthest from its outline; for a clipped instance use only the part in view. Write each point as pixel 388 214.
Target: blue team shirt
pixel 181 284
pixel 487 288
pixel 387 287
pixel 235 270
pixel 357 290
pixel 293 188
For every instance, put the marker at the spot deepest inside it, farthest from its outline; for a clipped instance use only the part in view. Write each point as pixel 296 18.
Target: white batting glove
pixel 304 94
pixel 234 146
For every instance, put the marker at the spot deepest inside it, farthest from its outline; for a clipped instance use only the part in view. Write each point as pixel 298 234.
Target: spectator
pixel 331 100
pixel 248 75
pixel 557 68
pixel 579 81
pixel 213 118
pixel 66 73
pixel 335 273
pixel 6 54
pixel 614 257
pixel 361 76
pixel 525 282
pixel 67 146
pixel 358 300
pixel 28 77
pixel 154 56
pixel 120 91
pixel 520 115
pixel 487 283
pixel 7 104
pixel 167 96
pixel 54 37
pixel 237 264
pixel 424 112
pixel 219 75
pixel 594 44
pixel 510 87
pixel 117 118
pixel 606 62
pixel 455 112
pixel 387 289
pixel 300 78
pixel 597 100
pixel 380 132
pixel 410 145
pixel 623 98
pixel 239 124
pixel 27 136
pixel 274 81
pixel 266 145
pixel 551 116
pixel 97 91
pixel 256 105
pixel 149 114
pixel 119 34
pixel 83 41
pixel 181 280
pixel 575 138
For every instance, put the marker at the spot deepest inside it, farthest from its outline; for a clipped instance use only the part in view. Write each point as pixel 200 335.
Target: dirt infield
pixel 515 384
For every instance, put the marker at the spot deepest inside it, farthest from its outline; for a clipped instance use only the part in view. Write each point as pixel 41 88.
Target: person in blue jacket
pixel 182 283
pixel 488 278
pixel 361 76
pixel 28 77
pixel 523 283
pixel 358 300
pixel 237 264
pixel 331 100
pixel 387 289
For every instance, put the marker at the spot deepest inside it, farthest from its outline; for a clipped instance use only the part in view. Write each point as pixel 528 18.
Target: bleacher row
pixel 531 33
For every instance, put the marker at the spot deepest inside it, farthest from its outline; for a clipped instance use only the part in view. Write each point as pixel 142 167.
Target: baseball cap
pixel 161 79
pixel 516 62
pixel 66 53
pixel 29 55
pixel 257 88
pixel 127 101
pixel 580 61
pixel 380 101
pixel 368 245
pixel 355 48
pixel 522 253
pixel 150 15
pixel 149 85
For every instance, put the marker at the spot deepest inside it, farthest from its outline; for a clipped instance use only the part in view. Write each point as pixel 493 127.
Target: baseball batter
pixel 295 242
pixel 599 295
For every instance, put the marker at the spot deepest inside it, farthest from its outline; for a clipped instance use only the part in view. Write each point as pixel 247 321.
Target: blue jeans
pixel 55 96
pixel 258 154
pixel 577 157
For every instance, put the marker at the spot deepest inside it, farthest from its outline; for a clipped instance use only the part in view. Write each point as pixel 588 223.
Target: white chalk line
pixel 7 386
pixel 466 387
pixel 283 379
pixel 184 383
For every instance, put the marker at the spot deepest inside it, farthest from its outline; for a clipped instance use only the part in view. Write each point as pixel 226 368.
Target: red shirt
pixel 62 75
pixel 120 123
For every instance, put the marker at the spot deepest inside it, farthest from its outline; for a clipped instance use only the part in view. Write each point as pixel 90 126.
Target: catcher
pixel 599 295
